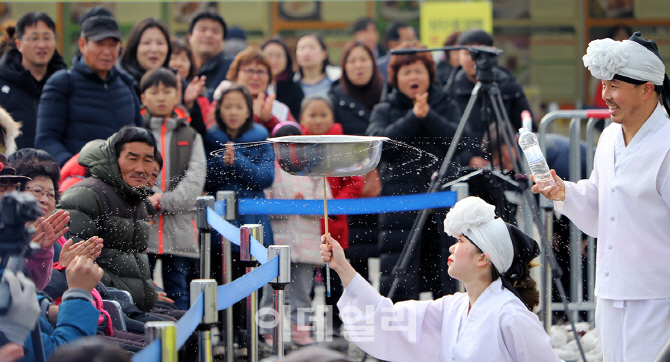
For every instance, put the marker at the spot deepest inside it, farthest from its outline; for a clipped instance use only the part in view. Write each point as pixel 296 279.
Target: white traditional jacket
pixel 626 205
pixel 498 328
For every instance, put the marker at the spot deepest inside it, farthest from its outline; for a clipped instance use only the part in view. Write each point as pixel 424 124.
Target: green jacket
pixel 106 206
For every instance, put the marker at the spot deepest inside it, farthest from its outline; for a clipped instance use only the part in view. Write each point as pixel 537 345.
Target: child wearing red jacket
pixel 317 118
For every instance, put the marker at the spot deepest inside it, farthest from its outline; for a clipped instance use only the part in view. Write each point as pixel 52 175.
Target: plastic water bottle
pixel 538 165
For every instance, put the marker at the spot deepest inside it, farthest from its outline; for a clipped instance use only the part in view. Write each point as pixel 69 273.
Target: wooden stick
pixel 325 222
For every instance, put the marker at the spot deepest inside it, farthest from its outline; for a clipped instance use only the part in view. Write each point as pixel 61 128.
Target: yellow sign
pixel 441 18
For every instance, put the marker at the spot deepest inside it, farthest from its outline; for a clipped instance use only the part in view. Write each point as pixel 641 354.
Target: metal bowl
pixel 327 155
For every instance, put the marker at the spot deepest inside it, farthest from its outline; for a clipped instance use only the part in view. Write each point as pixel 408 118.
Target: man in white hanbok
pixel 626 201
pixel 491 322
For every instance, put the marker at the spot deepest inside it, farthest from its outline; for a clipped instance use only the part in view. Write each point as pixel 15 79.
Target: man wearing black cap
pixel 206 33
pixel 626 201
pixel 90 101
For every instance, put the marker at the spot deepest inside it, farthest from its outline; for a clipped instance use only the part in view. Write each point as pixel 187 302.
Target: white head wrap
pixel 606 58
pixel 474 218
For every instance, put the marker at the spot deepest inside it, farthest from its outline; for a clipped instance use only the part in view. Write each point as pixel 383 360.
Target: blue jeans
pixel 175 272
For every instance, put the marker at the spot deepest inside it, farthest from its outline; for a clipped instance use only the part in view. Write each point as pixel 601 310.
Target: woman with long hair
pixel 315 74
pixel 287 90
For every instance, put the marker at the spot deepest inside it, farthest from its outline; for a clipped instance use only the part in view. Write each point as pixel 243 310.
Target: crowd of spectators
pixel 141 129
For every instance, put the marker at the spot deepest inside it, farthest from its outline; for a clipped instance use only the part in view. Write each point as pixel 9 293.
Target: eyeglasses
pixel 36 38
pixel 39 193
pixel 250 72
pixel 7 187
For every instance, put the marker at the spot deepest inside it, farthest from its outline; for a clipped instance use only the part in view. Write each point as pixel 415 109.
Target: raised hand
pixel 90 248
pixel 193 90
pixel 229 154
pixel 83 273
pixel 332 252
pixel 51 229
pixel 421 107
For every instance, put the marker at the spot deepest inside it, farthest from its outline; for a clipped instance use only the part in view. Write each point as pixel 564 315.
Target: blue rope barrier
pixel 150 353
pixel 373 205
pixel 232 293
pixel 230 232
pixel 189 321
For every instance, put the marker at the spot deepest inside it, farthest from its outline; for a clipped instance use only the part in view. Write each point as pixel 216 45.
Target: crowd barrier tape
pixel 229 294
pixel 372 205
pixel 232 233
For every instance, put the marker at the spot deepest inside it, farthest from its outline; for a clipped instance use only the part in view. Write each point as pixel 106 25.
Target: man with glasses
pixel 25 69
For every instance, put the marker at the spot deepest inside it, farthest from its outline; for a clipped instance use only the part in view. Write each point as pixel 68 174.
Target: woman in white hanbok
pixel 493 321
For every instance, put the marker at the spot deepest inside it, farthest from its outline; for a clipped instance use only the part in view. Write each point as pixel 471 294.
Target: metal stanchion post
pixel 167 332
pixel 546 214
pixel 204 234
pixel 230 198
pixel 209 316
pixel 462 190
pixel 278 284
pixel 246 232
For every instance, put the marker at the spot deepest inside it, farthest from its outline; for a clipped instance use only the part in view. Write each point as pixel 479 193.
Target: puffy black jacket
pixel 349 112
pixel 20 92
pixel 77 106
pixel 459 88
pixel 215 70
pixel 106 206
pixel 355 119
pixel 406 171
pixel 289 92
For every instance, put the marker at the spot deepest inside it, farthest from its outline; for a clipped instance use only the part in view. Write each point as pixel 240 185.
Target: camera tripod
pixel 486 89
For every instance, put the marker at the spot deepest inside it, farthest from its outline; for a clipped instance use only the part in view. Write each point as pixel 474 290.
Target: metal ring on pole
pixel 204 234
pixel 209 316
pixel 167 333
pixel 278 284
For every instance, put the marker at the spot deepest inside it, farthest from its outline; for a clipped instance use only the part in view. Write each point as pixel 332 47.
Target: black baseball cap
pixel 97 28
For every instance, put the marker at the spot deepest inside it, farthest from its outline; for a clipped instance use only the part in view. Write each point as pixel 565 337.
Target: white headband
pixel 606 58
pixel 475 219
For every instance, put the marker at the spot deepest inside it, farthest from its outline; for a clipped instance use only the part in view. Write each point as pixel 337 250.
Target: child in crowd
pixel 244 164
pixel 180 181
pixel 317 118
pixel 301 233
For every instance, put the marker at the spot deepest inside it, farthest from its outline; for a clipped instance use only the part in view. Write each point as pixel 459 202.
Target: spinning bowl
pixel 327 155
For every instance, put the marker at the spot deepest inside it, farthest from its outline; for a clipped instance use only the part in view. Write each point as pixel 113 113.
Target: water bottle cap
pixel 523 130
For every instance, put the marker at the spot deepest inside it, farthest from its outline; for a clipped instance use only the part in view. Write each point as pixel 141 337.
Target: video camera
pixel 16 209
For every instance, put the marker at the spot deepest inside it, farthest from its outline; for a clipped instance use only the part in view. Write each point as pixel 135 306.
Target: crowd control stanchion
pixel 167 332
pixel 246 232
pixel 278 284
pixel 231 213
pixel 204 234
pixel 209 316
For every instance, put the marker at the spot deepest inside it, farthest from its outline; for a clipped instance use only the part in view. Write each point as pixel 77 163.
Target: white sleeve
pixel 581 203
pixel 407 331
pixel 524 338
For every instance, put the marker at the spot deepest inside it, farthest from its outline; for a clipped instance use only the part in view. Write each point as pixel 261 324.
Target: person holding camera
pixel 75 318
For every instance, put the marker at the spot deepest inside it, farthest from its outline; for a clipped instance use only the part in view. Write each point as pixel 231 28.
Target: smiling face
pixel 317 117
pixel 207 38
pixel 463 259
pixel 255 77
pixel 37 45
pixel 623 99
pixel 136 162
pixel 101 55
pixel 234 112
pixel 152 49
pixel 42 187
pixel 359 67
pixel 413 79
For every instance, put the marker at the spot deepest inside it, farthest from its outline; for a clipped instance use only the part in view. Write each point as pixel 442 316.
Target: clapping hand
pixel 83 273
pixel 229 154
pixel 193 90
pixel 421 107
pixel 263 107
pixel 90 248
pixel 51 229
